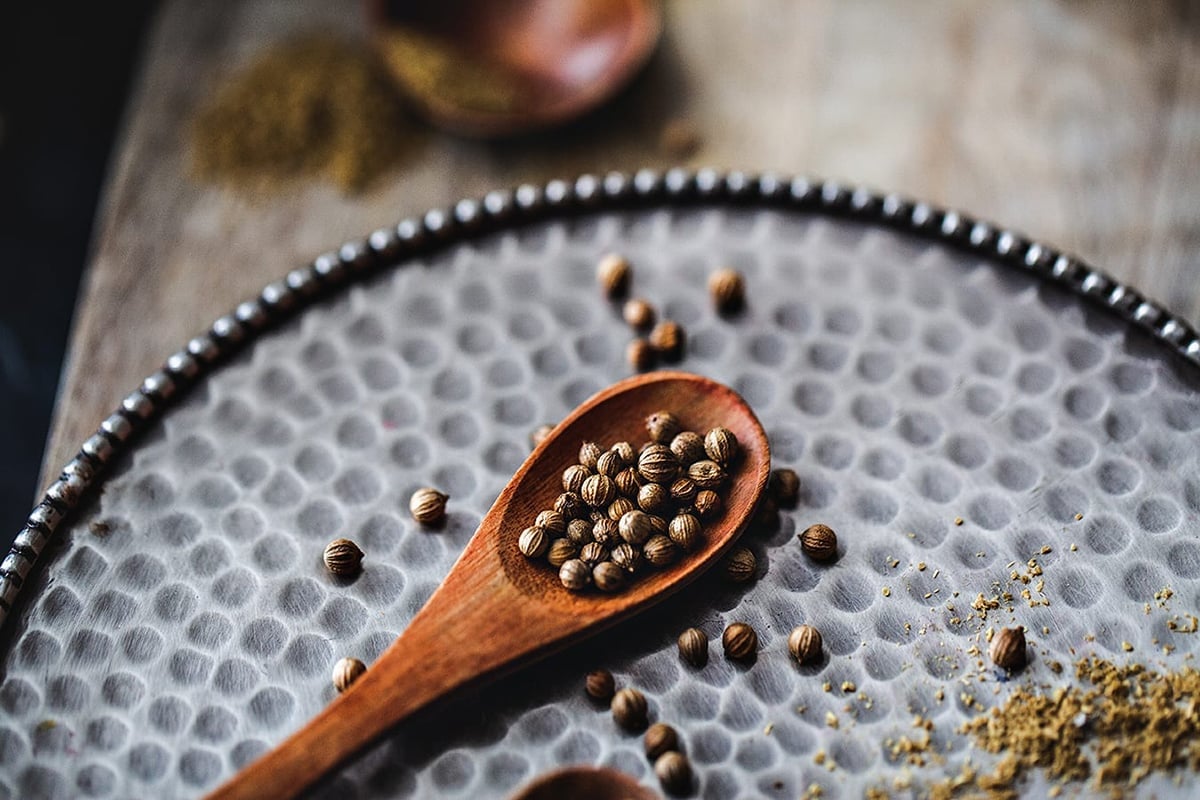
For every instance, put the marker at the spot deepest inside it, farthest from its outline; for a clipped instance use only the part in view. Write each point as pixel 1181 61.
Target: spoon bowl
pixel 497 611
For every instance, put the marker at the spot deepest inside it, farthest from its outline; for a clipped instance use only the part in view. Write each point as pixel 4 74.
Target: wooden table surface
pixel 1074 122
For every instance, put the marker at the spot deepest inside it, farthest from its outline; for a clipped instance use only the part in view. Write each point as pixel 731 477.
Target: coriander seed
pixel 662 426
pixel 683 491
pixel 589 452
pixel 638 314
pixel 660 738
pixel 741 565
pixel 600 685
pixel 666 338
pixel 570 505
pixel 343 557
pixel 688 447
pixel 674 772
pixel 785 487
pixel 693 647
pixel 640 355
pixel 619 508
pixel 658 525
pixel 634 527
pixel 727 289
pixel 653 498
pixel 539 434
pixel 552 522
pixel 628 481
pixel 428 506
pixel 593 553
pixel 684 530
pixel 598 491
pixel 626 452
pixel 561 551
pixel 804 643
pixel 608 577
pixel 533 542
pixel 626 556
pixel 613 274
pixel 657 464
pixel 708 504
pixel 721 446
pixel 706 474
pixel 346 671
pixel 604 531
pixel 573 478
pixel 1007 649
pixel 579 531
pixel 629 709
pixel 609 464
pixel 660 551
pixel 740 641
pixel 819 542
pixel 575 575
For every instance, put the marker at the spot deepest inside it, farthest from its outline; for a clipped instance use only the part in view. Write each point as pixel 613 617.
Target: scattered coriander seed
pixel 728 290
pixel 626 556
pixel 533 542
pixel 570 505
pixel 688 447
pixel 593 553
pixel 346 671
pixel 741 565
pixel 604 531
pixel 693 647
pixel 706 474
pixel 589 452
pixel 662 426
pixel 629 709
pixel 638 314
pixel 660 738
pixel 674 772
pixel 660 550
pixel 561 551
pixel 619 508
pixel 608 577
pixel 626 452
pixel 613 274
pixel 428 506
pixel 1007 649
pixel 683 491
pixel 574 574
pixel 609 464
pixel 785 487
pixel 804 642
pixel 628 481
pixel 653 498
pixel 684 530
pixel 579 531
pixel 740 641
pixel 634 527
pixel 657 464
pixel 819 542
pixel 708 504
pixel 600 685
pixel 666 338
pixel 598 491
pixel 573 478
pixel 343 557
pixel 539 434
pixel 640 355
pixel 552 522
pixel 721 446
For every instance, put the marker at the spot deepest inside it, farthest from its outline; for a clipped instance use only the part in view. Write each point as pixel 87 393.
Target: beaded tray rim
pixel 469 218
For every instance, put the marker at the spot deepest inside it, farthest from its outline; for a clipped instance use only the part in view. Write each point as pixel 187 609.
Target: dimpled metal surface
pixel 185 623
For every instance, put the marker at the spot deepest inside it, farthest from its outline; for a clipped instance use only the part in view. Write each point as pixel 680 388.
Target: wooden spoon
pixel 496 610
pixel 498 67
pixel 585 783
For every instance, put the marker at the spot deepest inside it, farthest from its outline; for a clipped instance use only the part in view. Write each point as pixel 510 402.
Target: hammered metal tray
pixel 950 394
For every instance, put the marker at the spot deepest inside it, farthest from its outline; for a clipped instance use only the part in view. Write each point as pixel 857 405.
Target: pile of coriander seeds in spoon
pixel 624 510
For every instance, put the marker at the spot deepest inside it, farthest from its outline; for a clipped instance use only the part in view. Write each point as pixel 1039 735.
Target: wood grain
pixel 1073 122
pixel 497 611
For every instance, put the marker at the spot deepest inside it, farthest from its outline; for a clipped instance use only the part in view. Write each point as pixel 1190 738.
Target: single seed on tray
pixel 660 738
pixel 721 446
pixel 343 557
pixel 629 709
pixel 428 506
pixel 1007 649
pixel 741 565
pixel 662 426
pixel 674 772
pixel 688 447
pixel 819 542
pixel 640 355
pixel 574 574
pixel 740 641
pixel 600 685
pixel 693 647
pixel 785 487
pixel 638 313
pixel 727 289
pixel 346 671
pixel 804 642
pixel 613 274
pixel 539 434
pixel 608 577
pixel 666 338
pixel 533 542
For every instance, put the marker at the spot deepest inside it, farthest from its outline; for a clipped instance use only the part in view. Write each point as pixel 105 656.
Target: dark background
pixel 64 82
